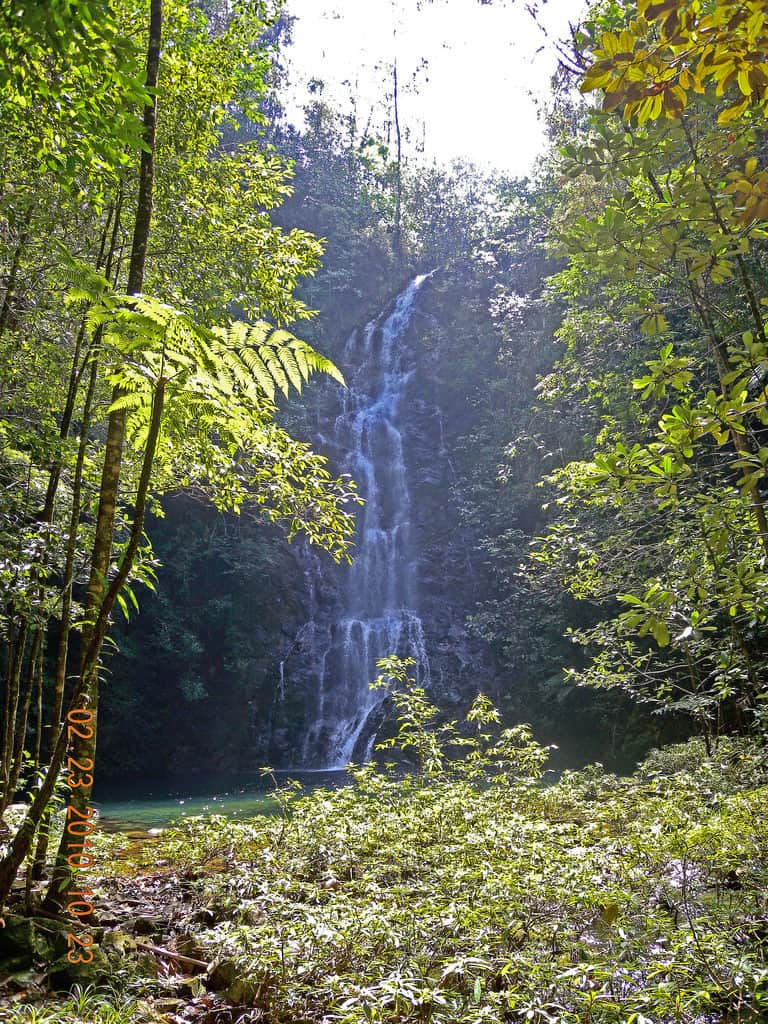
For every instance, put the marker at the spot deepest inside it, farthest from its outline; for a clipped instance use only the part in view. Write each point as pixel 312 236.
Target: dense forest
pixel 447 485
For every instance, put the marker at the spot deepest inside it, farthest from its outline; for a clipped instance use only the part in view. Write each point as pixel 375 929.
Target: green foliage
pixel 443 750
pixel 187 389
pixel 733 760
pixel 217 431
pixel 72 79
pixel 86 1005
pixel 661 526
pixel 674 48
pixel 465 897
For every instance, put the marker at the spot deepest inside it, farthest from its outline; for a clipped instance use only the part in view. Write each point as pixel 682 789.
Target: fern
pixel 84 284
pixel 276 359
pixel 223 379
pixel 255 364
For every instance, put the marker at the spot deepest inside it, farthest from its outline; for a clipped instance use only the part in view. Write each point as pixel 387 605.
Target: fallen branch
pixel 167 954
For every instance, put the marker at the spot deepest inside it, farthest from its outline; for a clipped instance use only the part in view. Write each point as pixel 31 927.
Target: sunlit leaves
pixel 69 74
pixel 676 48
pixel 749 188
pixel 666 229
pixel 668 371
pixel 217 431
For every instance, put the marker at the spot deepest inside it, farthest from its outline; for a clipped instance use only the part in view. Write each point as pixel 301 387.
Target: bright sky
pixel 488 64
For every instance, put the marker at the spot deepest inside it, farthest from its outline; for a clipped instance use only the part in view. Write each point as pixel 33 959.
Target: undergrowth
pixel 472 891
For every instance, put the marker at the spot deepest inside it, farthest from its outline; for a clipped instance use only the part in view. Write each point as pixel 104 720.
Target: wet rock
pixel 221 974
pixel 190 987
pixel 64 973
pixel 118 941
pixel 24 981
pixel 227 978
pixel 25 941
pixel 145 926
pixel 188 945
pixel 167 1005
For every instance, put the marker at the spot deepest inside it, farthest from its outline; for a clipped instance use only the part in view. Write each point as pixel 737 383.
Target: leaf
pixel 733 112
pixel 609 912
pixel 660 633
pixel 653 325
pixel 123 607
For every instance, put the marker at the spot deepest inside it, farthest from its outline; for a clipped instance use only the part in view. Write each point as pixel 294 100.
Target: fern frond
pixel 272 363
pixel 290 364
pixel 128 400
pixel 254 362
pixel 85 283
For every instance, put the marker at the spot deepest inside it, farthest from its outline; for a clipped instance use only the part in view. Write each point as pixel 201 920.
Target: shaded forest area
pixel 205 652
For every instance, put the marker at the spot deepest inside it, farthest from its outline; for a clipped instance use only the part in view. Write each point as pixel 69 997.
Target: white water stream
pixel 379 614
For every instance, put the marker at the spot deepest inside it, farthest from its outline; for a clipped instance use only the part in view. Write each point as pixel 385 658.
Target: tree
pixel 667 520
pixel 184 401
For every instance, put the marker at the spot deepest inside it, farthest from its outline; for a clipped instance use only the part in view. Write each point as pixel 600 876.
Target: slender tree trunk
pixel 719 351
pixel 100 599
pixel 75 375
pixel 7 696
pixel 60 673
pixel 13 683
pixel 39 709
pixel 740 442
pixel 23 718
pixel 47 514
pixel 10 290
pixel 746 280
pixel 22 841
pixel 86 690
pixel 84 749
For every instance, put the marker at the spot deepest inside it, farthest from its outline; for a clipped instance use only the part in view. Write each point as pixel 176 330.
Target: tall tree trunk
pixel 12 767
pixel 75 375
pixel 39 708
pixel 721 358
pixel 60 672
pixel 13 683
pixel 398 244
pixel 746 280
pixel 7 697
pixel 100 599
pixel 21 725
pixel 10 289
pixel 62 652
pixel 84 749
pixel 740 442
pixel 86 690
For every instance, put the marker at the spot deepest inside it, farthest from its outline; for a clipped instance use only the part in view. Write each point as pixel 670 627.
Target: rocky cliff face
pixel 262 652
pixel 408 589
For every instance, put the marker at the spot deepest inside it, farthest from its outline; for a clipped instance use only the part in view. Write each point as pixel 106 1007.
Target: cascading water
pixel 378 613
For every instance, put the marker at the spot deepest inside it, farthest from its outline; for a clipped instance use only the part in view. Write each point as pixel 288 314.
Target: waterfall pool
pixel 140 805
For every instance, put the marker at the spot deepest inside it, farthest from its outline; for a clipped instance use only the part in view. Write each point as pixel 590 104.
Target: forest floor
pixel 638 900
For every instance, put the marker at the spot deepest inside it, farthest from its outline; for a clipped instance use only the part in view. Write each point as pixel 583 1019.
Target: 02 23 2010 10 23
pixel 79 825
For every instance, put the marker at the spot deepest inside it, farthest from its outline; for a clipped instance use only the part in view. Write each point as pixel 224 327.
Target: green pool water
pixel 143 805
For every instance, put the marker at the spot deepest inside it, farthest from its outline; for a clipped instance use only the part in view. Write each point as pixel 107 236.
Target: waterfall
pixel 377 607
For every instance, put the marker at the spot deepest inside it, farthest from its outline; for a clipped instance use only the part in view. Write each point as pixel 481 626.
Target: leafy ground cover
pixel 453 894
